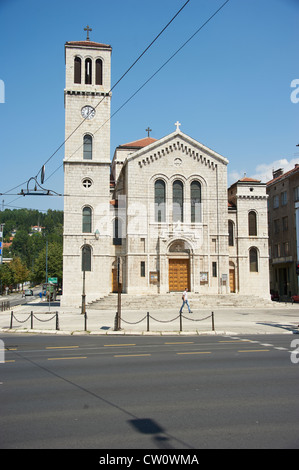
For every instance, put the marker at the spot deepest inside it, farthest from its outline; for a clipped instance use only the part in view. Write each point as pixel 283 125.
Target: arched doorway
pixel 179 266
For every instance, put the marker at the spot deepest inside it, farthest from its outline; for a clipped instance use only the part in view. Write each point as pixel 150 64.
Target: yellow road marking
pixel 131 355
pixel 254 350
pixel 236 341
pixel 181 342
pixel 65 358
pixel 111 345
pixel 196 352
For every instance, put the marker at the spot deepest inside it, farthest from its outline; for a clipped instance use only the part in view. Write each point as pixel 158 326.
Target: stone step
pixel 174 300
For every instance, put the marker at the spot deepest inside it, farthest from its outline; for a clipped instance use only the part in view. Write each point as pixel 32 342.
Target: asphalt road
pixel 17 298
pixel 149 392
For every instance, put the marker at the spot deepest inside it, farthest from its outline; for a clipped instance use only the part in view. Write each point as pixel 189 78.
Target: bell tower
pixel 87 101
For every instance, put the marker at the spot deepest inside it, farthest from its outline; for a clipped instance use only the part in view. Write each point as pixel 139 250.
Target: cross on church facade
pixel 177 124
pixel 148 130
pixel 87 29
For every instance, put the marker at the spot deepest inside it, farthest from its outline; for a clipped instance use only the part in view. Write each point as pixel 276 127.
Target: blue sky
pixel 230 87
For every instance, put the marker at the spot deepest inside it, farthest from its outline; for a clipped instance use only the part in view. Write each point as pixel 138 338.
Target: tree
pixel 54 263
pixel 6 276
pixel 19 271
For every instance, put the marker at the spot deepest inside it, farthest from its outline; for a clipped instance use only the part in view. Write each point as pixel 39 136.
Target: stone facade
pixel 156 219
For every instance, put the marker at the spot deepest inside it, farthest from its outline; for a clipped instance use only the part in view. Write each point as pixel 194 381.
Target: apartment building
pixel 283 223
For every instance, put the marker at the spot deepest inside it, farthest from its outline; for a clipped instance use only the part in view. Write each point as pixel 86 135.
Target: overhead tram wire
pixel 118 81
pixel 7 193
pixel 150 78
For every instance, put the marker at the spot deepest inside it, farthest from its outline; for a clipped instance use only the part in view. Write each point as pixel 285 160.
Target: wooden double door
pixel 179 274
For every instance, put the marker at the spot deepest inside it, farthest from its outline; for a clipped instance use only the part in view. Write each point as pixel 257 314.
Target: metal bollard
pixel 11 317
pixel 147 321
pixel 31 318
pixel 213 325
pixel 181 322
pixel 57 321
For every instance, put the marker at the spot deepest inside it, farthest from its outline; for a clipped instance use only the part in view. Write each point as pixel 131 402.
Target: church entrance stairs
pixel 174 300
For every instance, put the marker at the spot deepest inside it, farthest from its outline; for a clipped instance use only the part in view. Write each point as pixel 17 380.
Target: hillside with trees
pixel 29 250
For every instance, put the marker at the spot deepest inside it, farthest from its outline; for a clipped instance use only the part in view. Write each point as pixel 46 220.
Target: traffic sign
pixel 53 280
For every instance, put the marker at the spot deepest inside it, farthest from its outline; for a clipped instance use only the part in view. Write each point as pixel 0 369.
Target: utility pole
pixel 1 250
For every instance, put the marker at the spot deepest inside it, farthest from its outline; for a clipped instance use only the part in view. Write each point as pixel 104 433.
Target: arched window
pixel 86 220
pixel 87 147
pixel 77 70
pixel 86 258
pixel 99 72
pixel 88 71
pixel 231 240
pixel 178 201
pixel 160 201
pixel 252 228
pixel 253 260
pixel 195 191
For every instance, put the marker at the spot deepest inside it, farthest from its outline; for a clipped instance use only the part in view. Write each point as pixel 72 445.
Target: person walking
pixel 185 301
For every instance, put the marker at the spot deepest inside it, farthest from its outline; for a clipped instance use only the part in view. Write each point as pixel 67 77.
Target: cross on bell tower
pixel 148 130
pixel 87 29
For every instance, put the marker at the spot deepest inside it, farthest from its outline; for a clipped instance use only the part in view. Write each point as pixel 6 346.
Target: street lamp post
pixel 1 250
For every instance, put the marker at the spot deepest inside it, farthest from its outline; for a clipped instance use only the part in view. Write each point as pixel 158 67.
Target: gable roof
pixel 138 144
pixel 169 142
pixel 284 175
pixel 92 44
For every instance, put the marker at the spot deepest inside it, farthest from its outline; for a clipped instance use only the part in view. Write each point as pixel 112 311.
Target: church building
pixel 157 218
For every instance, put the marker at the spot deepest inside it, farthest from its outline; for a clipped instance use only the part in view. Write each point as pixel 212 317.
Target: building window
pixel 86 220
pixel 117 229
pixel 230 233
pixel 214 268
pixel 286 249
pixel 142 269
pixel 86 258
pixel 88 71
pixel 195 191
pixel 284 198
pixel 296 194
pixel 285 224
pixel 77 70
pixel 87 183
pixel 253 260
pixel 275 202
pixel 160 201
pixel 276 226
pixel 87 147
pixel 99 72
pixel 178 201
pixel 252 228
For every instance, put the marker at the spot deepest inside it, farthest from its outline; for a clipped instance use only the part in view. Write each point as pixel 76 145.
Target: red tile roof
pixel 88 44
pixel 284 175
pixel 138 144
pixel 248 180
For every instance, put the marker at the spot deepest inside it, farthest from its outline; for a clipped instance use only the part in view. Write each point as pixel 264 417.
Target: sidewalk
pixel 283 318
